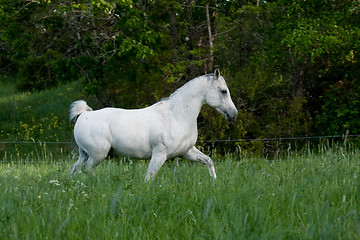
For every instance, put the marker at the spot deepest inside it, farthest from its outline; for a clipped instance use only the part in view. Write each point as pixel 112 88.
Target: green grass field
pixel 36 116
pixel 301 196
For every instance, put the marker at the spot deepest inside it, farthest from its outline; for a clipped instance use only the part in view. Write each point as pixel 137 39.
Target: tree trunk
pixel 210 64
pixel 173 29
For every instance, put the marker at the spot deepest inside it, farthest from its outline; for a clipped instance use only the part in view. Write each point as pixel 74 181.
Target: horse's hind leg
pixel 80 162
pixel 92 162
pixel 95 158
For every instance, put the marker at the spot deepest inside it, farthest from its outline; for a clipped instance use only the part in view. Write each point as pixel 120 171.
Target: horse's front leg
pixel 195 155
pixel 158 158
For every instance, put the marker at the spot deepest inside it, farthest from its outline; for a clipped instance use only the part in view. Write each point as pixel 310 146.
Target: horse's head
pixel 218 97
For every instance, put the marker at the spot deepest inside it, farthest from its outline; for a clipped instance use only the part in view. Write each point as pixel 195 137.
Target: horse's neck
pixel 187 102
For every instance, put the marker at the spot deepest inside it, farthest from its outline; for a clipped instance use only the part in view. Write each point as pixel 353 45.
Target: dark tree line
pixel 292 66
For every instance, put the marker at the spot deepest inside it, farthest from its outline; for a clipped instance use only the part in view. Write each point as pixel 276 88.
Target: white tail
pixel 77 108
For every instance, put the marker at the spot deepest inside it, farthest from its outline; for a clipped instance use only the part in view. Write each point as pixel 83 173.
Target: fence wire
pixel 53 151
pixel 277 139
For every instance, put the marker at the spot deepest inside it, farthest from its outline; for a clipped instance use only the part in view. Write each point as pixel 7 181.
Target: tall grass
pixel 298 196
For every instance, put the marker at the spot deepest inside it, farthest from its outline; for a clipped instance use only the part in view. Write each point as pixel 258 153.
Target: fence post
pixel 346 136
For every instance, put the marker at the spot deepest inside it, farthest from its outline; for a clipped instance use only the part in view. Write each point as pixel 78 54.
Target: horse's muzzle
pixel 231 116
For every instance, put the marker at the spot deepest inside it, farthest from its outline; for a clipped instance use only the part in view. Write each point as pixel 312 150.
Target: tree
pixel 291 65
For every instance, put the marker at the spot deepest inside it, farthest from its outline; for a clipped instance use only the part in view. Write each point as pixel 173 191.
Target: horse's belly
pixel 131 140
pixel 132 147
pixel 133 153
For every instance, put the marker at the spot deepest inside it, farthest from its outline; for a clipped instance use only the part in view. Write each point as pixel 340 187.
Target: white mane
pixel 187 84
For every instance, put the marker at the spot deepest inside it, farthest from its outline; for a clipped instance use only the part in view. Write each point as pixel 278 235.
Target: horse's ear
pixel 217 74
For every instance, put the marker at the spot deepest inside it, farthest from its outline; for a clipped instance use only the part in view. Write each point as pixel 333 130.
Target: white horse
pixel 164 130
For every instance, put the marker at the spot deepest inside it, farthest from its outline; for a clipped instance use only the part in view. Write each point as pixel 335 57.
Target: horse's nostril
pixel 230 118
pixel 232 115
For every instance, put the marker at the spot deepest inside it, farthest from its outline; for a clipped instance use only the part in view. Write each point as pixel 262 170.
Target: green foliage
pixel 303 196
pixel 341 108
pixel 282 59
pixel 44 72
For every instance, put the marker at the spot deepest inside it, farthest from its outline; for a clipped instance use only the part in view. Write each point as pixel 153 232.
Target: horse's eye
pixel 224 91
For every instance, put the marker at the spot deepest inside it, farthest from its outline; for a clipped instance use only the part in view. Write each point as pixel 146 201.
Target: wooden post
pixel 346 136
